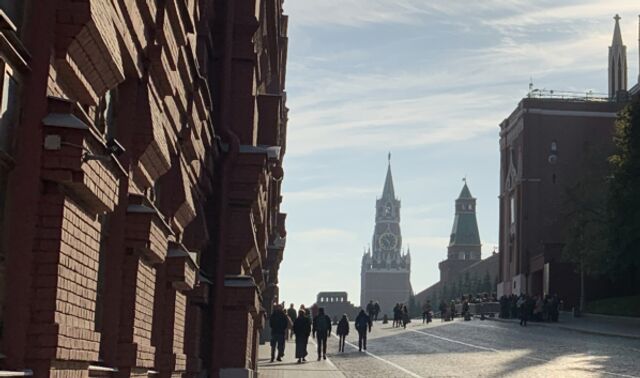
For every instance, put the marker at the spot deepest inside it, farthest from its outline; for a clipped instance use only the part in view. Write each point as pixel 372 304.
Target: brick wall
pixel 111 292
pixel 64 291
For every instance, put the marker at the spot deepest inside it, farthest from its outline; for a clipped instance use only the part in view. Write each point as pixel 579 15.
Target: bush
pixel 620 306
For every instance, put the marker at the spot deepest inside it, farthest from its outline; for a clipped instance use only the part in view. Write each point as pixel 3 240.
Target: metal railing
pixel 588 96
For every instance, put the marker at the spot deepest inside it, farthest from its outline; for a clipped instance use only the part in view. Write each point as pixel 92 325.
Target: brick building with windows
pixel 141 147
pixel 550 143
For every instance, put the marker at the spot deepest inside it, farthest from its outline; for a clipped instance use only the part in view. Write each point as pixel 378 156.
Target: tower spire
pixel 617 62
pixel 388 191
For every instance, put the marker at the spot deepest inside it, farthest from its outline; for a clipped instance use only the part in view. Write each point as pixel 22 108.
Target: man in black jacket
pixel 278 323
pixel 363 324
pixel 321 331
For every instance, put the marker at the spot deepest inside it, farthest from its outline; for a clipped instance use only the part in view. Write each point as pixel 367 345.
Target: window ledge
pixel 102 369
pixel 23 373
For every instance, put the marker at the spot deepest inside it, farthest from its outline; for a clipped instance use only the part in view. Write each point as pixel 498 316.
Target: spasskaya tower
pixel 386 269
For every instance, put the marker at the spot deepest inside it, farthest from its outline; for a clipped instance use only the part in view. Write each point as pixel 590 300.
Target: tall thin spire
pixel 617 35
pixel 617 62
pixel 387 191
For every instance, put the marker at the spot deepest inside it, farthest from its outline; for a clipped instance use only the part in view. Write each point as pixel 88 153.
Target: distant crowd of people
pixel 400 315
pixel 373 309
pixel 525 307
pixel 448 309
pixel 315 323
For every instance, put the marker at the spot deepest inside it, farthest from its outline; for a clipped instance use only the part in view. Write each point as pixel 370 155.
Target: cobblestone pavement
pixel 483 349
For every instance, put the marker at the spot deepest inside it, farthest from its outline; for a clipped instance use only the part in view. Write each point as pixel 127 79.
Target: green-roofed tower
pixel 464 233
pixel 464 243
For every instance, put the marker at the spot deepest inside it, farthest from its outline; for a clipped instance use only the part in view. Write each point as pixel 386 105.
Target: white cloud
pixel 325 234
pixel 353 12
pixel 373 75
pixel 565 14
pixel 328 193
pixel 360 13
pixel 423 243
pixel 458 98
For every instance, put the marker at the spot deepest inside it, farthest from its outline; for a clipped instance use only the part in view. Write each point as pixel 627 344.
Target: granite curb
pixel 570 328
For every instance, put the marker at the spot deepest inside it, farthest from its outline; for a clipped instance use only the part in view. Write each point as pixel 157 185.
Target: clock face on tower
pixel 388 241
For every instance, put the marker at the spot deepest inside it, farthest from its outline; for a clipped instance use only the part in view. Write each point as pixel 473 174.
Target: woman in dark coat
pixel 302 330
pixel 343 331
pixel 405 317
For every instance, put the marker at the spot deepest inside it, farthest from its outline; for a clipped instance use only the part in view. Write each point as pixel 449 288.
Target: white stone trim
pixel 571 113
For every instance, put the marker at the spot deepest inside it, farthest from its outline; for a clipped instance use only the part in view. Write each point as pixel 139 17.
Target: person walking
pixel 362 323
pixel 302 330
pixel 538 308
pixel 292 314
pixel 278 323
pixel 523 305
pixel 426 312
pixel 443 311
pixel 370 309
pixel 429 312
pixel 321 331
pixel 376 310
pixel 405 316
pixel 466 310
pixel 397 315
pixel 342 331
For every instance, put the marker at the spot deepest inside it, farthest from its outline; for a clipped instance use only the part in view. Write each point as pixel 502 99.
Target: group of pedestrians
pixel 301 324
pixel 401 316
pixel 447 310
pixel 315 323
pixel 525 307
pixel 373 309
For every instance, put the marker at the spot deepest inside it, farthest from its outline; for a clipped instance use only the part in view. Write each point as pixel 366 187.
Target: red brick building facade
pixel 141 146
pixel 550 143
pixel 546 147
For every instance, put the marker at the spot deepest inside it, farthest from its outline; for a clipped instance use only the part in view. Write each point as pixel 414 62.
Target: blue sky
pixel 429 81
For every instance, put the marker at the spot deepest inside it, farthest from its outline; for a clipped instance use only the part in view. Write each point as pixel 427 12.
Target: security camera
pixel 114 147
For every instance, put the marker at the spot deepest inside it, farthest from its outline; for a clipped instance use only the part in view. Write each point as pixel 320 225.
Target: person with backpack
pixel 363 322
pixel 321 331
pixel 302 330
pixel 278 323
pixel 342 331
